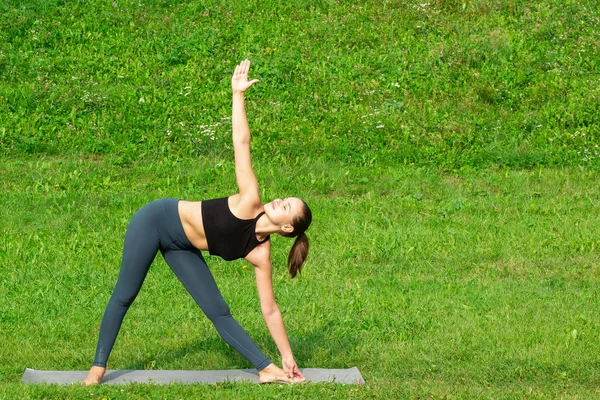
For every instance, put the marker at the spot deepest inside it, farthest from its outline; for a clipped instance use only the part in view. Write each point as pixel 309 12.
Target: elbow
pixel 269 312
pixel 241 140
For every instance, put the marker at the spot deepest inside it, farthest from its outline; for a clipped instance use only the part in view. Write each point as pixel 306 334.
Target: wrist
pixel 238 93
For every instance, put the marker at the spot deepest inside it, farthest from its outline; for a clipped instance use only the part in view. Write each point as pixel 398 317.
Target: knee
pixel 121 301
pixel 218 311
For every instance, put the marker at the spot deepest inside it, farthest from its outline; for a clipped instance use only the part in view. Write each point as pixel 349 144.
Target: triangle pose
pixel 233 227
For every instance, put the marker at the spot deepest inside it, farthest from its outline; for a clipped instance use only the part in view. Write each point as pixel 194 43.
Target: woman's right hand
pixel 273 374
pixel 239 81
pixel 291 370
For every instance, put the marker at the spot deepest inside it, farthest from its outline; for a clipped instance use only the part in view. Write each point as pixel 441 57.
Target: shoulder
pixel 245 207
pixel 260 255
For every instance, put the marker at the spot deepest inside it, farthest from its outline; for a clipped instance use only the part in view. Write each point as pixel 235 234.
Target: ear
pixel 287 229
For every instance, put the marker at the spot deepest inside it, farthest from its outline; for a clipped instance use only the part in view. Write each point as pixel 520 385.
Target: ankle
pixel 97 371
pixel 267 369
pixel 94 376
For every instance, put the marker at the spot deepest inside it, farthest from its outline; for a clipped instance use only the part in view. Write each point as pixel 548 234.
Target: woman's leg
pixel 139 250
pixel 192 271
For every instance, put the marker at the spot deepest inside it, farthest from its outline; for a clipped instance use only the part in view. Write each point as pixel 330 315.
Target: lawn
pixel 474 284
pixel 448 150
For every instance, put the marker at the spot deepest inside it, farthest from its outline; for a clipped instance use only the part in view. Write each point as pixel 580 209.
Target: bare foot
pixel 273 374
pixel 297 379
pixel 94 376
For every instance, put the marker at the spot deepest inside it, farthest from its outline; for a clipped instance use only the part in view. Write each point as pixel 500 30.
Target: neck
pixel 264 227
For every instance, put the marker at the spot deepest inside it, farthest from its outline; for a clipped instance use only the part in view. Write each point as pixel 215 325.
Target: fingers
pixel 293 371
pixel 241 73
pixel 242 68
pixel 298 377
pixel 239 69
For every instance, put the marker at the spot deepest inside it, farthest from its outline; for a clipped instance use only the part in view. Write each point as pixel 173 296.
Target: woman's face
pixel 284 212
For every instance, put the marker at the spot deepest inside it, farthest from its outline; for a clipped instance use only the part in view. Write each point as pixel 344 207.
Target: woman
pixel 233 227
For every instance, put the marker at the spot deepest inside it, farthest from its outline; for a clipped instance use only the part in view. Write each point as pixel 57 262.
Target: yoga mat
pixel 122 377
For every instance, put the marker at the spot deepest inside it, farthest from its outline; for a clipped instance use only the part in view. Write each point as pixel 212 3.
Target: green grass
pixel 439 83
pixel 479 284
pixel 448 149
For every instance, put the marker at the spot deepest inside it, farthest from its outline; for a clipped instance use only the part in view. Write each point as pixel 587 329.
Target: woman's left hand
pixel 291 370
pixel 239 81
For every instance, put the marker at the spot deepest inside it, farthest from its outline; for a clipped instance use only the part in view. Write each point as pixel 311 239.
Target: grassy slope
pixel 444 83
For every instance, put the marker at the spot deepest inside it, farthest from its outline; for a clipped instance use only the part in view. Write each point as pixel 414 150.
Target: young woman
pixel 232 227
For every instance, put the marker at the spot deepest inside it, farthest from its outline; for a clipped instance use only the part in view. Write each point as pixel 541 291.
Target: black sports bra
pixel 228 236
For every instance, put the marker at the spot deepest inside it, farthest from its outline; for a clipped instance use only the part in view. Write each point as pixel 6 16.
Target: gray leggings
pixel 157 226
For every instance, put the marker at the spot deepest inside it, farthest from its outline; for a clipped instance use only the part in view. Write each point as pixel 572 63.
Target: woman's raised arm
pixel 246 179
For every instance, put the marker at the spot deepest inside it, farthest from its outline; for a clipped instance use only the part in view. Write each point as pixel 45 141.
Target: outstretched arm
pixel 272 315
pixel 246 179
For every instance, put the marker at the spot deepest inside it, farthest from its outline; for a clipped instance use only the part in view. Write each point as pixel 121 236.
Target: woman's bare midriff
pixel 190 213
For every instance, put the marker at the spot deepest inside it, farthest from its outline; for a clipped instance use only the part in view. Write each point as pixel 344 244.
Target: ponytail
pixel 298 254
pixel 299 250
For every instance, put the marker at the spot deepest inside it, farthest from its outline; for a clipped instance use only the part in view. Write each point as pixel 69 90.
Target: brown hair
pixel 299 250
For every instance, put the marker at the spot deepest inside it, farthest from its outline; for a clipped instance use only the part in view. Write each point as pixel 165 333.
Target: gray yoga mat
pixel 122 377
